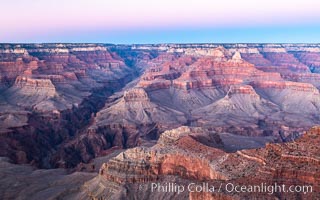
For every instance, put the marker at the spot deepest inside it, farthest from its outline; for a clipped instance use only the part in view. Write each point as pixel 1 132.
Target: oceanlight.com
pixel 229 188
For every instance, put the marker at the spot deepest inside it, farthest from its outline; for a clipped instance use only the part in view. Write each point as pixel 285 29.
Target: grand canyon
pixel 105 121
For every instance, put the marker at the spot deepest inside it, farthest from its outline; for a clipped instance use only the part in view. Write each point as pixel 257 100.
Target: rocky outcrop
pixel 136 94
pixel 30 86
pixel 190 161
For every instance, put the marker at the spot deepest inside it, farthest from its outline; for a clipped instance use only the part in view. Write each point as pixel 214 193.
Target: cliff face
pixel 49 92
pixel 181 156
pixel 230 86
pixel 77 92
pixel 63 105
pixel 178 154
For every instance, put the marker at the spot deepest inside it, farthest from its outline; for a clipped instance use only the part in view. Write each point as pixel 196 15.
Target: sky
pixel 160 21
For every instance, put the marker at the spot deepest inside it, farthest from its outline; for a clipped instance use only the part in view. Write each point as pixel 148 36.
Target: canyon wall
pixel 180 158
pixel 65 104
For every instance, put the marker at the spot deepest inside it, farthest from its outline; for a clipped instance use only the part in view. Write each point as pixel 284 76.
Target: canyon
pixel 179 155
pixel 115 117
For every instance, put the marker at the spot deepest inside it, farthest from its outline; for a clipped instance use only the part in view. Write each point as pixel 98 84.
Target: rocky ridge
pixel 180 157
pixel 241 83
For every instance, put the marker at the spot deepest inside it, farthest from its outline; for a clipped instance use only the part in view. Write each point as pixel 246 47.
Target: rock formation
pixel 43 86
pixel 245 83
pixel 64 105
pixel 182 159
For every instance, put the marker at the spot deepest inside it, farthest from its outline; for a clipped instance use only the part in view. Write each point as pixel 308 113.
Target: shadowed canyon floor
pixel 134 112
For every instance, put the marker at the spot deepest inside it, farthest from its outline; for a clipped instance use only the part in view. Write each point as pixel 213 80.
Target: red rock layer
pixel 299 87
pixel 294 163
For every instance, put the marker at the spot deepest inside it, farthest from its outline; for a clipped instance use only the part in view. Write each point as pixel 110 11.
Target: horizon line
pixel 161 43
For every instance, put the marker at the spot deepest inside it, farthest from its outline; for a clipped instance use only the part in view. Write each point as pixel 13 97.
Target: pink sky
pixel 32 17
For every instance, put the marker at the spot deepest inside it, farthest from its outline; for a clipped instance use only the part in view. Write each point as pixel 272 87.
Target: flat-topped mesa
pixel 218 82
pixel 31 86
pixel 155 84
pixel 193 79
pixel 136 95
pixel 62 78
pixel 23 81
pixel 192 84
pixel 218 53
pixel 53 78
pixel 164 72
pixel 110 65
pixel 302 87
pixel 242 89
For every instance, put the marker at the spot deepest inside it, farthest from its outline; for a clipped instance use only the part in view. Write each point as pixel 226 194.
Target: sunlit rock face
pixel 180 157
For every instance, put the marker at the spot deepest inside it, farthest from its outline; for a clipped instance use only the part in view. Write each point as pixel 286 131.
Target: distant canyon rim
pixel 133 112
